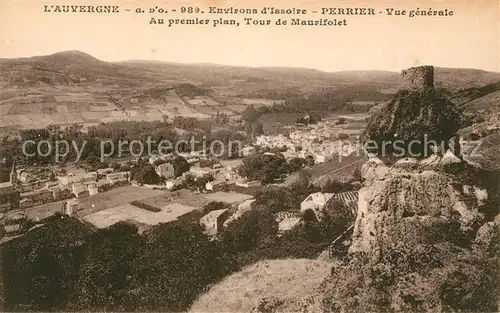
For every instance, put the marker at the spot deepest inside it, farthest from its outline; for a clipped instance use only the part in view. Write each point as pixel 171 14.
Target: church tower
pixel 13 174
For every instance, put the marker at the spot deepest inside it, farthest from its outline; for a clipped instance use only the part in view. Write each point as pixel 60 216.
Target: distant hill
pixel 75 87
pixel 76 65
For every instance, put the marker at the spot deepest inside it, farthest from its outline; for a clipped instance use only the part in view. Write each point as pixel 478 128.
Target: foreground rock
pixel 420 244
pixel 413 205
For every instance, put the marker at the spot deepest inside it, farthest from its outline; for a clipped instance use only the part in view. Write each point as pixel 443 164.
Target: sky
pixel 469 39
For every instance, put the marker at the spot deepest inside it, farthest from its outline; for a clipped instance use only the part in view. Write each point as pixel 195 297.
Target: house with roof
pixel 173 183
pixel 165 170
pixel 25 177
pixel 248 184
pixel 36 197
pixel 25 203
pixel 214 221
pixel 117 177
pixel 315 201
pixel 216 185
pixel 93 189
pixel 13 222
pixel 242 208
pixel 72 178
pixel 202 171
pixel 70 206
pixel 104 171
pixel 80 190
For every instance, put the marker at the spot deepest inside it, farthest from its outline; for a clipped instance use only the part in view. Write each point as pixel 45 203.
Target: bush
pixel 341 121
pixel 145 206
pixel 421 278
pixel 342 136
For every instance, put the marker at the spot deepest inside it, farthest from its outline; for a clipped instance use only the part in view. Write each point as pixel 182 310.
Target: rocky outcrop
pixel 420 244
pixel 408 203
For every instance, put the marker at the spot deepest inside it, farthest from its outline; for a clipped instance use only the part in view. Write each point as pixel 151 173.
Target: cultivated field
pixel 128 212
pixel 38 107
pixel 112 198
pixel 183 196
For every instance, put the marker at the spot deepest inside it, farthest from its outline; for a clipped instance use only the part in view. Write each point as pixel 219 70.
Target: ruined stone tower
pixel 420 78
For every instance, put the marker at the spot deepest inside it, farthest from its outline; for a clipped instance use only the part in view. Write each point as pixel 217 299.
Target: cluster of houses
pixel 72 185
pixel 222 175
pixel 216 220
pixel 321 141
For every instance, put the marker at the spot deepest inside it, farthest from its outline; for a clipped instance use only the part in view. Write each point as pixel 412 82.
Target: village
pixel 107 196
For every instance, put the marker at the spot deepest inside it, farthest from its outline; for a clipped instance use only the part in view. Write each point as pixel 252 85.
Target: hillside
pixel 73 87
pixel 240 292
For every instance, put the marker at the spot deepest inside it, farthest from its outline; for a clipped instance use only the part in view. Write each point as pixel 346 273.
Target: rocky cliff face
pixel 421 243
pixel 411 202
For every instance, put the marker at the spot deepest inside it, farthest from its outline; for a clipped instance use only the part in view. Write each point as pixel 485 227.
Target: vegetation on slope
pixel 421 278
pixel 411 115
pixel 241 291
pixel 66 265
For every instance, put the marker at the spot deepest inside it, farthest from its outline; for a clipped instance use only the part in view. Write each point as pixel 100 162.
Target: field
pixel 261 102
pixel 67 105
pixel 337 169
pixel 228 197
pixel 112 198
pixel 182 196
pixel 128 212
pixel 273 123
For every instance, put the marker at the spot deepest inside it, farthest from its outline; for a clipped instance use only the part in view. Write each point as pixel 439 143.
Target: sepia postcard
pixel 250 156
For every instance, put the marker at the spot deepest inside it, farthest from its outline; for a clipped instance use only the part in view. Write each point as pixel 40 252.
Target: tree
pixel 180 166
pixel 214 205
pixel 311 228
pixel 310 160
pixel 264 167
pixel 40 269
pixel 202 181
pixel 207 162
pixel 296 164
pixel 356 176
pixel 334 186
pixel 144 173
pixel 253 230
pixel 180 261
pixel 106 275
pixel 276 199
pixel 337 216
pixel 116 166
